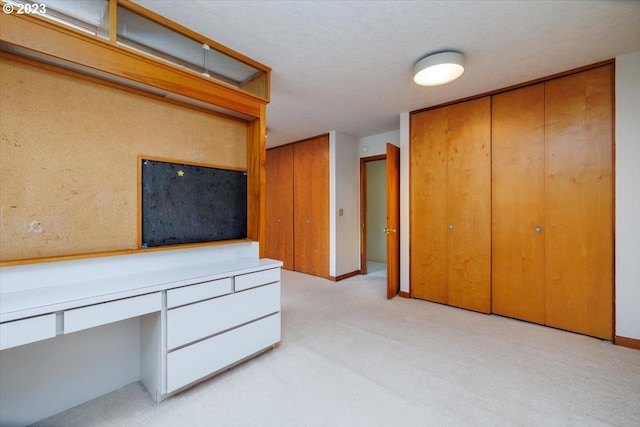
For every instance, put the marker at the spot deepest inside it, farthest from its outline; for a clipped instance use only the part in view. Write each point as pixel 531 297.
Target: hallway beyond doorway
pixel 376 269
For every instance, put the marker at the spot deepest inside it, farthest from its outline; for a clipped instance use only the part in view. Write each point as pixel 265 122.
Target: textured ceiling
pixel 347 65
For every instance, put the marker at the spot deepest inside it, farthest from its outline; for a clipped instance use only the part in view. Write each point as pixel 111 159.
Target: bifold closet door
pixel 311 206
pixel 429 273
pixel 579 202
pixel 450 196
pixel 552 203
pixel 518 192
pixel 279 210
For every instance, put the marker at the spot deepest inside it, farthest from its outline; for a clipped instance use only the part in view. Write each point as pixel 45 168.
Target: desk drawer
pixel 196 321
pixel 199 292
pixel 109 312
pixel 20 332
pixel 206 357
pixel 251 280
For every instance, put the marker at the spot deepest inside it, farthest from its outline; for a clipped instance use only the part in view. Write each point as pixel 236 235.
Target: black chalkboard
pixel 184 203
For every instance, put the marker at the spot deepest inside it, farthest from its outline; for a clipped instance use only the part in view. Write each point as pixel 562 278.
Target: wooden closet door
pixel 428 218
pixel 579 202
pixel 517 144
pixel 469 204
pixel 311 206
pixel 450 194
pixel 279 214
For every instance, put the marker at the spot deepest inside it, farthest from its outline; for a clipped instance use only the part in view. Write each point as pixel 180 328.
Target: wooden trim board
pixel 344 276
pixel 626 342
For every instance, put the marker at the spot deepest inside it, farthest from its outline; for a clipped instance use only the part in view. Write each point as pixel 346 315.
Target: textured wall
pixel 68 159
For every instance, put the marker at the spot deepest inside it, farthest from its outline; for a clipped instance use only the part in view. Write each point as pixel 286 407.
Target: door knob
pixel 389 230
pixel 450 226
pixel 538 229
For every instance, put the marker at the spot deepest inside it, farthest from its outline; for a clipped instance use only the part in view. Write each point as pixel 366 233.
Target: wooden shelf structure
pixel 53 43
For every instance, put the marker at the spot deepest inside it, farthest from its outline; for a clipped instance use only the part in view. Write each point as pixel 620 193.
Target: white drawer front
pixel 196 321
pixel 20 332
pixel 199 292
pixel 251 280
pixel 196 361
pixel 109 312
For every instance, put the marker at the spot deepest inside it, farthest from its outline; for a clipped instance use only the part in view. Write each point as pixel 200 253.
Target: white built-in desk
pixel 199 311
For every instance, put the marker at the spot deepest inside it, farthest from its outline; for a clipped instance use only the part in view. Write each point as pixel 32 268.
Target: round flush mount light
pixel 438 69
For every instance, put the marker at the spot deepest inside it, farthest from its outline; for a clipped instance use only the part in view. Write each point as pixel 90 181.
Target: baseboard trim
pixel 626 342
pixel 404 294
pixel 344 276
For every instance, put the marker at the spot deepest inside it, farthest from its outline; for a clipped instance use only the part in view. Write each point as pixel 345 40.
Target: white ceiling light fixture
pixel 438 68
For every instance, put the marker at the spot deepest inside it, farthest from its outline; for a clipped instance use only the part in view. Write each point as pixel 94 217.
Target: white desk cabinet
pixel 26 331
pixel 197 315
pixel 101 314
pixel 196 361
pixel 204 336
pixel 199 292
pixel 202 319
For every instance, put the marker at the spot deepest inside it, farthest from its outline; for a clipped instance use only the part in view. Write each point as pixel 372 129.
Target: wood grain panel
pixel 579 202
pixel 320 207
pixel 40 35
pixel 450 179
pixel 428 216
pixel 302 193
pixel 393 219
pixel 311 206
pixel 469 204
pixel 279 215
pixel 518 203
pixel 256 180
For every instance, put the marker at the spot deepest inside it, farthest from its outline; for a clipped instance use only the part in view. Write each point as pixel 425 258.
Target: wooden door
pixel 450 195
pixel 518 223
pixel 279 210
pixel 469 204
pixel 393 220
pixel 311 206
pixel 428 215
pixel 579 202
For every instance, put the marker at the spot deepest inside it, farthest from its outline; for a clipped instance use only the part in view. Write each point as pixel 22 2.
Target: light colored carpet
pixel 349 357
pixel 376 270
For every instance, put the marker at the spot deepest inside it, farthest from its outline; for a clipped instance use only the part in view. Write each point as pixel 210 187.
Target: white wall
pixel 628 196
pixel 376 145
pixel 344 177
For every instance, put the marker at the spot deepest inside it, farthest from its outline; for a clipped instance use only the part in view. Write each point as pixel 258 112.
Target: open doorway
pixel 374 213
pixel 380 217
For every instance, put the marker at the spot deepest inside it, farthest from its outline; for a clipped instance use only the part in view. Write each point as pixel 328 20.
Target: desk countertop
pixel 48 299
